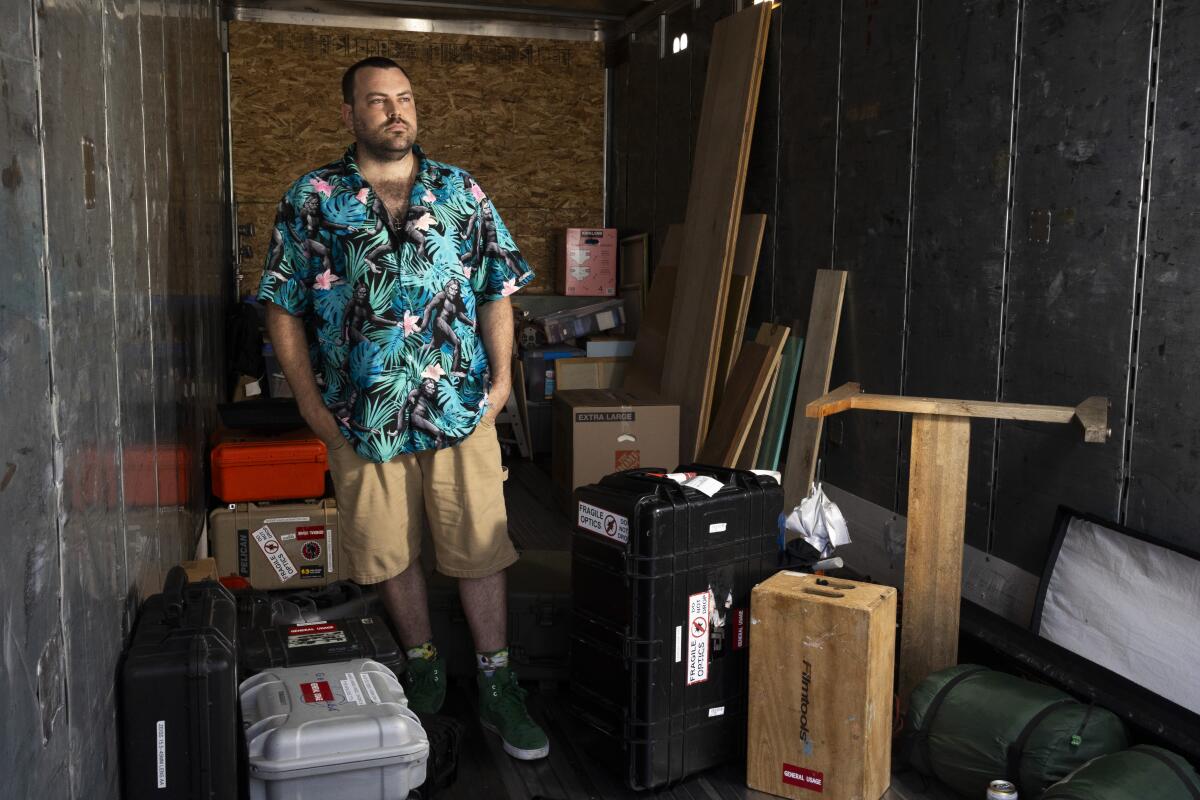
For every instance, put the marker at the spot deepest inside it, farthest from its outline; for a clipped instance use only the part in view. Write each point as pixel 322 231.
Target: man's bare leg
pixel 407 602
pixel 485 603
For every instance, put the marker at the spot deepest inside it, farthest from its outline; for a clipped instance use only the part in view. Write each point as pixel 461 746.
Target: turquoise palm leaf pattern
pixel 398 354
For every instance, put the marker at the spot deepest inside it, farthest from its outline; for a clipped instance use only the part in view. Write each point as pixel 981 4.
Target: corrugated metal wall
pixel 1012 186
pixel 112 225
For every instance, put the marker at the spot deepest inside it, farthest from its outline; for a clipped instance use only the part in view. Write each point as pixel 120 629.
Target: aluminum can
pixel 1002 790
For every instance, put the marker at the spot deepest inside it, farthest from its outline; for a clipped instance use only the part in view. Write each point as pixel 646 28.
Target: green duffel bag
pixel 969 725
pixel 1140 773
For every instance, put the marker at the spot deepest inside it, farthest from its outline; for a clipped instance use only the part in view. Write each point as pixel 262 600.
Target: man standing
pixel 402 268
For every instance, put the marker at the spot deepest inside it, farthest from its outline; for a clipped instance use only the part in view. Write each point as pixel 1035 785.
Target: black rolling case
pixel 661 580
pixel 272 646
pixel 179 695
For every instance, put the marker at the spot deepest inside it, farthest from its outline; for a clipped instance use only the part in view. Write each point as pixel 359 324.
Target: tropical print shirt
pixel 395 304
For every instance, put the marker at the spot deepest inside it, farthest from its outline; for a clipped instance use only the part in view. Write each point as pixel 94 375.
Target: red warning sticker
pixel 316 692
pixel 310 532
pixel 739 628
pixel 804 778
pixel 323 627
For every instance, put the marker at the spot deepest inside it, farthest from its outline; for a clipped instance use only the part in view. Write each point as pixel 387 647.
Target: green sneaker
pixel 425 684
pixel 502 711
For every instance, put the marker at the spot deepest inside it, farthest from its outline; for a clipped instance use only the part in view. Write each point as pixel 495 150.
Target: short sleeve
pixel 503 270
pixel 285 279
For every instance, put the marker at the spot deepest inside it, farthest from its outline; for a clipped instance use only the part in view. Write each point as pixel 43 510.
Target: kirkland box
pixel 587 262
pixel 339 730
pixel 277 545
pixel 598 431
pixel 661 575
pixel 252 468
pixel 178 694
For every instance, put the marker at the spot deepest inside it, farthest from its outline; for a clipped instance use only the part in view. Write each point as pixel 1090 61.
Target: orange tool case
pixel 249 468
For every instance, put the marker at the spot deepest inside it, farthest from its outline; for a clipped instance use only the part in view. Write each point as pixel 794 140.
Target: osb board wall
pixel 524 116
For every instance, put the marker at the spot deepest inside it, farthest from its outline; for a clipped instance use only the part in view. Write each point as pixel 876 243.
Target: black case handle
pixel 173 586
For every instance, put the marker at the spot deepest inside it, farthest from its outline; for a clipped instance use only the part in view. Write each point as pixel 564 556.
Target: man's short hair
pixel 348 76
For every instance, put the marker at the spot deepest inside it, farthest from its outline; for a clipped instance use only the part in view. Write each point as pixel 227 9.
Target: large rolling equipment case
pixel 661 580
pixel 179 695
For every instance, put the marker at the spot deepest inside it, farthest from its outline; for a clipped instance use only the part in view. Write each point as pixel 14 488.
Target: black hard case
pixel 271 646
pixel 629 599
pixel 179 695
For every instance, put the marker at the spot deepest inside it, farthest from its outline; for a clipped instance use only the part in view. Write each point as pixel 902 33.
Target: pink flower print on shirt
pixel 321 186
pixel 434 372
pixel 477 193
pixel 325 281
pixel 362 195
pixel 411 321
pixel 428 197
pixel 510 287
pixel 467 272
pixel 425 220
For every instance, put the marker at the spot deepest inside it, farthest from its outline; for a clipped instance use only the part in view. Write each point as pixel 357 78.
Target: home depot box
pixel 587 262
pixel 821 658
pixel 600 431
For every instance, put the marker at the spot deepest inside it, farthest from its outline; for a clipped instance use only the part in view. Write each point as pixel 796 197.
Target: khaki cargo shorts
pixel 459 489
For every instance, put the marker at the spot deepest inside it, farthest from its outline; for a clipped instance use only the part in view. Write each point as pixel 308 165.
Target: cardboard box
pixel 609 347
pixel 821 660
pixel 203 569
pixel 572 323
pixel 539 366
pixel 587 262
pixel 589 373
pixel 601 431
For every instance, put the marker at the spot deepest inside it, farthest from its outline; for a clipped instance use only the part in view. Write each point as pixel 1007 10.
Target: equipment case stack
pixel 179 694
pixel 661 577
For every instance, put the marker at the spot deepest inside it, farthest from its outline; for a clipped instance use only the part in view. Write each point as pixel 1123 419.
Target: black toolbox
pixel 661 580
pixel 179 695
pixel 291 629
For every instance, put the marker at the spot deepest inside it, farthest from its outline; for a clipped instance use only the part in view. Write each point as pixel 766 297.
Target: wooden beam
pixel 650 348
pixel 1093 416
pixel 741 285
pixel 937 501
pixel 714 208
pixel 815 369
pixel 747 393
pixel 1092 413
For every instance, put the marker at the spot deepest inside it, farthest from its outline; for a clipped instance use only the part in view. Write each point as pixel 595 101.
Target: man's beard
pixel 383 144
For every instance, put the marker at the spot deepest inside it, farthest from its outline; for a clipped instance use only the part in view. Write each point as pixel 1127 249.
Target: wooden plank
pixel 815 368
pixel 747 392
pixel 933 556
pixel 754 438
pixel 606 372
pixel 649 351
pixel 781 404
pixel 741 285
pixel 1092 413
pixel 714 207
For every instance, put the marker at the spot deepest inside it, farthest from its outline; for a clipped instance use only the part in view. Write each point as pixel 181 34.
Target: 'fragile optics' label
pixel 273 550
pixel 697 628
pixel 597 520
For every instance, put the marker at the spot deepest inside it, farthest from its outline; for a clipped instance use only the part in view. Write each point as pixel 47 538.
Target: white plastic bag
pixel 819 522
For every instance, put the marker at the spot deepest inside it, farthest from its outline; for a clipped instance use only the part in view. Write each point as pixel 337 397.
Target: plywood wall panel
pixel 960 196
pixel 524 116
pixel 870 240
pixel 1075 229
pixel 1164 484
